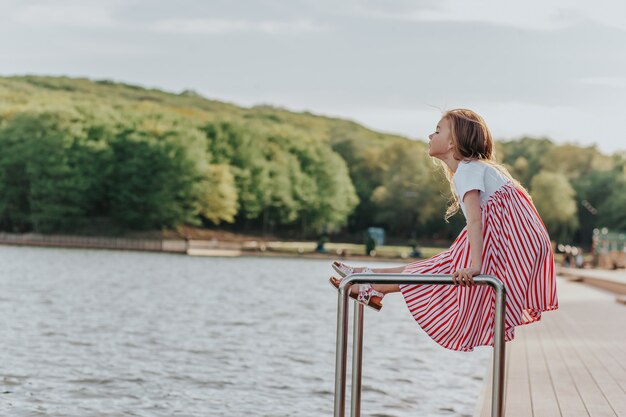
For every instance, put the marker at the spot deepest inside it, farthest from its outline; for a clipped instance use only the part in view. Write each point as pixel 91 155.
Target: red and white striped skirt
pixel 516 249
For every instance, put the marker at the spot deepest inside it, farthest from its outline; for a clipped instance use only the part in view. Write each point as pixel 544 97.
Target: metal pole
pixel 342 348
pixel 497 400
pixel 357 360
pixel 497 394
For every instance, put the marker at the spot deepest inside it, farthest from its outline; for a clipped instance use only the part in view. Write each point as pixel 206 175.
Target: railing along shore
pixel 69 241
pixel 497 395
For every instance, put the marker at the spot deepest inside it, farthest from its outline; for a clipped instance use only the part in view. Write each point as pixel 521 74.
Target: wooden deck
pixel 614 281
pixel 570 364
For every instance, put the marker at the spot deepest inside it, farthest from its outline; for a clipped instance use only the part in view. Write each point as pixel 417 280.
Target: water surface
pixel 110 333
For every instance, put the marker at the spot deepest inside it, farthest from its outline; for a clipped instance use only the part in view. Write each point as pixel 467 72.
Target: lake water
pixel 108 333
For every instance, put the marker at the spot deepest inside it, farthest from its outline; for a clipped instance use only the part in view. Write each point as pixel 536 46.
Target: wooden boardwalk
pixel 570 364
pixel 614 281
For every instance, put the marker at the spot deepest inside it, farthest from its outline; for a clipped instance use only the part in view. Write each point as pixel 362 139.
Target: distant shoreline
pixel 253 248
pixel 193 247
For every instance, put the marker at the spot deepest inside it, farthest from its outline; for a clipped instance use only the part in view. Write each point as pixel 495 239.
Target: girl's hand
pixel 465 276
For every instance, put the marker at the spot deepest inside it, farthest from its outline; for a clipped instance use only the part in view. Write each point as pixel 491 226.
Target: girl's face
pixel 440 144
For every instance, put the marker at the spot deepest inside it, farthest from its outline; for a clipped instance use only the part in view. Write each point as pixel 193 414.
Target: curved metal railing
pixel 497 398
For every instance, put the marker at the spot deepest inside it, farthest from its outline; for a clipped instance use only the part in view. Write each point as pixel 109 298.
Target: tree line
pixel 81 155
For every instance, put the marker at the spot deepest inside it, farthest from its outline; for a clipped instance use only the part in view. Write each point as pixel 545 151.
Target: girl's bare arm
pixel 471 200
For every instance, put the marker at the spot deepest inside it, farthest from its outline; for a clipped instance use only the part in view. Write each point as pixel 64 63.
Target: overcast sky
pixel 554 68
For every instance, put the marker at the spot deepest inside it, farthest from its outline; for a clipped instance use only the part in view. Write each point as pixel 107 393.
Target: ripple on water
pixel 106 333
pixel 370 389
pixel 323 392
pixel 90 381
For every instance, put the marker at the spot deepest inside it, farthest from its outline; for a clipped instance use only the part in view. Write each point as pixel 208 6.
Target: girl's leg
pixel 384 288
pixel 394 270
pixel 388 288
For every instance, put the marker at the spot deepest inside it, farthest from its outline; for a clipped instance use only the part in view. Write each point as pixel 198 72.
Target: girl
pixel 504 237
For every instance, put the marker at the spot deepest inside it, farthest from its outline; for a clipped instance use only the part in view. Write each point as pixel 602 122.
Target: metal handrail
pixel 497 394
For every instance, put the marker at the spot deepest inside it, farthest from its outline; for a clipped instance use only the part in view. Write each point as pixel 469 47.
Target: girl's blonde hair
pixel 472 141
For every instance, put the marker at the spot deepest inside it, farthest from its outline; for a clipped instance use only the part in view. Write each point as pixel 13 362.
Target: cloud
pixel 115 14
pixel 529 14
pixel 612 82
pixel 282 16
pixel 227 26
pixel 67 15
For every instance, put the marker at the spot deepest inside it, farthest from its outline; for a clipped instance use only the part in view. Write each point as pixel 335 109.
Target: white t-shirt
pixel 476 175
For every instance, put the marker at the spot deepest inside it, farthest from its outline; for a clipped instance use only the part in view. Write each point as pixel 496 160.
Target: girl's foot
pixel 345 270
pixel 363 293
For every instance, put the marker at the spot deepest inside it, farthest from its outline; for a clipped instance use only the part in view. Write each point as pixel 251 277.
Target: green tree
pixel 322 186
pixel 525 157
pixel 593 191
pixel 611 212
pixel 408 196
pixel 219 197
pixel 284 178
pixel 574 161
pixel 555 200
pixel 78 152
pixel 235 146
pixel 46 182
pixel 156 180
pixel 366 167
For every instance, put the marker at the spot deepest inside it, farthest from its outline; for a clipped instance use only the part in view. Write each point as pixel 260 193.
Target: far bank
pixel 219 248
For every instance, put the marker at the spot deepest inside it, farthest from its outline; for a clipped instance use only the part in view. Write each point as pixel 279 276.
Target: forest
pixel 96 156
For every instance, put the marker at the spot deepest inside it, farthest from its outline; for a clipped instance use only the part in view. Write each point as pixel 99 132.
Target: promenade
pixel 614 281
pixel 572 363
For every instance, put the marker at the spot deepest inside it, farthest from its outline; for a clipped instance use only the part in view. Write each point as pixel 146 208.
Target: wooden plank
pixel 601 324
pixel 612 366
pixel 574 360
pixel 570 402
pixel 544 401
pixel 600 370
pixel 518 400
pixel 593 398
pixel 606 337
pixel 484 401
pixel 602 341
pixel 483 408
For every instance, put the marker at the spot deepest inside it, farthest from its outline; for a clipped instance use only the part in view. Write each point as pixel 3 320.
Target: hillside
pixel 81 155
pixel 25 93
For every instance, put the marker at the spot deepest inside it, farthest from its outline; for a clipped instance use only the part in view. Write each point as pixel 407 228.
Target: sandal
pixel 345 270
pixel 367 295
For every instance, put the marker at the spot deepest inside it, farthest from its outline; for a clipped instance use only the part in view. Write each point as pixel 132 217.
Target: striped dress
pixel 516 249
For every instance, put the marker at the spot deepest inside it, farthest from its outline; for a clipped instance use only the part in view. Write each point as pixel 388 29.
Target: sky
pixel 549 68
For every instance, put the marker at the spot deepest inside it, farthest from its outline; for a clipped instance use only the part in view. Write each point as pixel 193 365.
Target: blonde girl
pixel 504 236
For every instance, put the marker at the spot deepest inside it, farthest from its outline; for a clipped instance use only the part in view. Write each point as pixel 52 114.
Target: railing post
pixel 357 360
pixel 497 399
pixel 342 349
pixel 497 393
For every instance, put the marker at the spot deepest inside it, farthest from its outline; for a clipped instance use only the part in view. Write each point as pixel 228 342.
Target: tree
pixel 219 197
pixel 574 161
pixel 232 145
pixel 284 178
pixel 528 154
pixel 611 213
pixel 366 166
pixel 325 191
pixel 156 179
pixel 77 153
pixel 595 194
pixel 555 200
pixel 408 196
pixel 46 181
